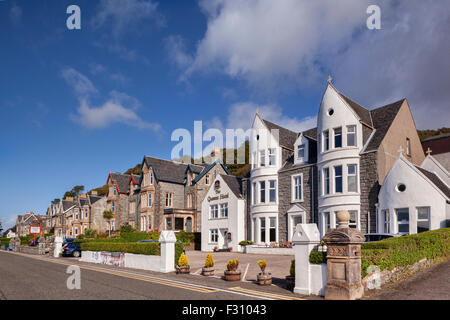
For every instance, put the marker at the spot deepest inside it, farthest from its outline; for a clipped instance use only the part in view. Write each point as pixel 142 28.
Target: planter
pixel 216 249
pixel 229 249
pixel 208 271
pixel 232 275
pixel 290 282
pixel 264 279
pixel 184 269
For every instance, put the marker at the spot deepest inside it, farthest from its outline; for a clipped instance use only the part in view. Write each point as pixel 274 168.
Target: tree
pixel 74 192
pixel 56 201
pixel 108 216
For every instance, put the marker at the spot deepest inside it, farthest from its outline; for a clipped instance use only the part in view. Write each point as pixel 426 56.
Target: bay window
pixel 351 136
pixel 338 179
pixel 262 192
pixel 338 137
pixel 272 191
pixel 272 157
pixel 352 178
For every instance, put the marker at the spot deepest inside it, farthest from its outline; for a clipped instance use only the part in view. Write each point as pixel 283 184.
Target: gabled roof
pixel 311 133
pixel 212 165
pixel 234 183
pixel 121 181
pixel 382 120
pixel 134 178
pixel 436 181
pixel 67 204
pixel 166 170
pixel 362 112
pixel 286 137
pixel 94 199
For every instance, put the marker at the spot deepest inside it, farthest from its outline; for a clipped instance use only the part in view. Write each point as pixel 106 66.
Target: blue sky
pixel 77 104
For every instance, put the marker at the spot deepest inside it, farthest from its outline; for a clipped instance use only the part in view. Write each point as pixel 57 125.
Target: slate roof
pixel 94 199
pixel 136 178
pixel 83 202
pixel 311 133
pixel 122 181
pixel 445 135
pixel 436 181
pixel 382 120
pixel 286 137
pixel 67 204
pixel 234 183
pixel 168 171
pixel 362 112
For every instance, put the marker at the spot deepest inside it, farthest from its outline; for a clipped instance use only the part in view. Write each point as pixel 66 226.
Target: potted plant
pixel 183 266
pixel 290 279
pixel 264 278
pixel 216 249
pixel 231 274
pixel 208 269
pixel 230 249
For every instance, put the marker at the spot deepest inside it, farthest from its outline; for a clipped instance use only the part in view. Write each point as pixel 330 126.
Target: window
pixel 273 229
pixel 113 207
pixel 326 181
pixel 215 174
pixel 423 219
pixel 262 192
pixel 224 210
pixel 338 179
pixel 403 220
pixel 338 138
pixel 114 192
pixel 272 156
pixel 301 151
pixel 189 201
pixel 207 179
pixel 149 199
pixel 149 223
pixel 214 235
pixel 408 147
pixel 401 187
pixel 214 211
pixel 352 181
pixel 169 197
pixel 150 177
pixel 76 231
pixel 263 229
pixel 254 160
pixel 272 191
pixel 297 184
pixel 351 136
pixel 326 140
pixel 254 193
pixel 327 221
pixel 85 213
pixel 112 225
pixel 262 158
pixel 353 223
pixel 386 220
pixel 330 112
pixel 169 223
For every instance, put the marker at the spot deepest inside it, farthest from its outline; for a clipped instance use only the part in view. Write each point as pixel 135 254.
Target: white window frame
pixel 326 180
pixel 336 177
pixel 214 211
pixel 386 220
pixel 301 147
pixel 356 223
pixel 213 236
pixel 351 133
pixel 354 175
pixel 272 156
pixel 254 193
pixel 335 135
pixel 169 200
pixel 262 158
pixel 274 189
pixel 398 223
pixel 423 220
pixel 262 191
pixel 224 210
pixel 292 224
pixel 326 140
pixel 294 179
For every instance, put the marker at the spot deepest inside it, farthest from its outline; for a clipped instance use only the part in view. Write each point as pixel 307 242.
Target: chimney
pixel 216 154
pixel 82 196
pixel 68 198
pixel 94 193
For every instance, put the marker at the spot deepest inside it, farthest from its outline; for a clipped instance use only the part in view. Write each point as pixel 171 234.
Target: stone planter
pixel 208 271
pixel 264 279
pixel 229 249
pixel 184 269
pixel 290 282
pixel 232 275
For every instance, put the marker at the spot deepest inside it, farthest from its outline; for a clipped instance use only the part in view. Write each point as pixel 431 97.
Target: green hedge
pixel 152 248
pixel 406 250
pixel 4 241
pixel 317 257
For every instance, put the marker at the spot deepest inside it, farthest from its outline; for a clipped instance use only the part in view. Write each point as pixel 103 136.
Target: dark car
pixel 373 237
pixel 66 240
pixel 72 249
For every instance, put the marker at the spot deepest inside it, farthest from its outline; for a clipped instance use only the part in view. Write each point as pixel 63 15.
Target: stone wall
pixel 310 200
pixel 369 191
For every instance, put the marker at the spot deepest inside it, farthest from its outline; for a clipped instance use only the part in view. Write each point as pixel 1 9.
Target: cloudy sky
pixel 77 104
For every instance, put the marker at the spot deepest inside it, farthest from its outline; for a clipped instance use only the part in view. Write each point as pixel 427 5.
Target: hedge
pixel 4 241
pixel 152 248
pixel 317 257
pixel 406 250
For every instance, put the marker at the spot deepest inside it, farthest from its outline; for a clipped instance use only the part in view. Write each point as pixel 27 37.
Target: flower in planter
pixel 232 265
pixel 209 262
pixel 183 261
pixel 262 264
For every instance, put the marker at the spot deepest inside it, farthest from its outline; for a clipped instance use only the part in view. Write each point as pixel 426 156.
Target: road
pixel 429 284
pixel 35 277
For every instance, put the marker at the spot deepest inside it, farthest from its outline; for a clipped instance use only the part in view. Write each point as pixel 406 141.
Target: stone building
pixel 23 223
pixel 117 198
pixel 171 193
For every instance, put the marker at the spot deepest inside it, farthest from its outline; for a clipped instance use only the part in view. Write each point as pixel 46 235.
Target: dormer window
pixel 301 151
pixel 338 138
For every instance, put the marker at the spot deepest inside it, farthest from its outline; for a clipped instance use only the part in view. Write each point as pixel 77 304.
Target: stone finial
pixel 429 151
pixel 343 219
pixel 330 79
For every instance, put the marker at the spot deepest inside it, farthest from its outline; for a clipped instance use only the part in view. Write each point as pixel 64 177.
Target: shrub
pixel 245 243
pixel 232 265
pixel 292 269
pixel 183 261
pixel 4 241
pixel 137 248
pixel 209 262
pixel 317 257
pixel 406 250
pixel 126 228
pixel 178 251
pixel 89 233
pixel 186 238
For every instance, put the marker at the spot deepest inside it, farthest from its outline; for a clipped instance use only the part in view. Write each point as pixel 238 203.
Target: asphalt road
pixel 33 277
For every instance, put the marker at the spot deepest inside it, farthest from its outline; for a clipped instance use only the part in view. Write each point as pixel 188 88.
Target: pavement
pixel 277 265
pixel 34 277
pixel 430 284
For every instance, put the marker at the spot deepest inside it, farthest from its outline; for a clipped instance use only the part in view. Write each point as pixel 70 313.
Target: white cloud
pixel 286 45
pixel 109 113
pixel 176 48
pixel 79 83
pixel 15 14
pixel 122 16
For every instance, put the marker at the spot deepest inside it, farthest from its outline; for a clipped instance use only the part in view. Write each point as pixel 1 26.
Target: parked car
pixel 373 237
pixel 67 240
pixel 72 249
